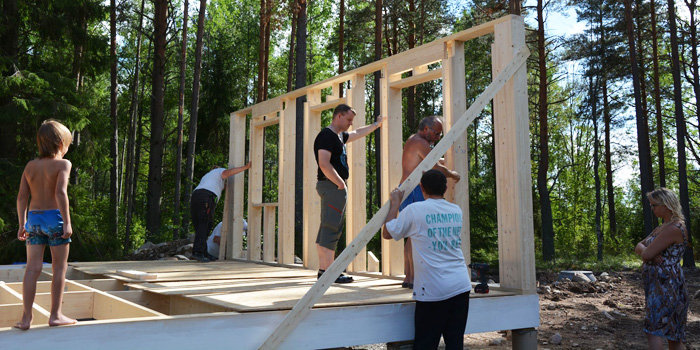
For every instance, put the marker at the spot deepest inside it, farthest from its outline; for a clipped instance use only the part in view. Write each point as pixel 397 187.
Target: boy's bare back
pixel 46 179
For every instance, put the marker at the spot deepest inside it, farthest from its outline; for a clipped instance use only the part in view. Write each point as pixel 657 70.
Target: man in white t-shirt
pixel 214 240
pixel 441 283
pixel 203 204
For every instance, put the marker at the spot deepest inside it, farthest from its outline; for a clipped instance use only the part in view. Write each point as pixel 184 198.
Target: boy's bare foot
pixel 61 320
pixel 25 323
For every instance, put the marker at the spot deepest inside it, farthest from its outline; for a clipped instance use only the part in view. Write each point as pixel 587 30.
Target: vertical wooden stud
pixel 513 177
pixel 454 105
pixel 285 232
pixel 391 146
pixel 255 189
pixel 312 202
pixel 231 244
pixel 356 208
pixel 269 212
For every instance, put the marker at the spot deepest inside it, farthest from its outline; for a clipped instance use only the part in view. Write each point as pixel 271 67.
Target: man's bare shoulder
pixel 415 142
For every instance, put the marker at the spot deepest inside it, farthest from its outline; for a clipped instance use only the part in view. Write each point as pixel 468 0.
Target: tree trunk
pixel 596 167
pixel 114 142
pixel 178 231
pixel 292 43
pixel 261 53
pixel 155 161
pixel 131 164
pixel 610 188
pixel 514 7
pixel 646 173
pixel 642 71
pixel 543 164
pixel 192 140
pixel 268 14
pixel 411 91
pixel 299 82
pixel 657 99
pixel 688 257
pixel 341 42
pixel 695 80
pixel 377 97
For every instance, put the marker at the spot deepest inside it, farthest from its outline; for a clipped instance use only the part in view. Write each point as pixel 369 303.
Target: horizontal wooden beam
pixel 416 79
pixel 268 107
pixel 272 204
pixel 327 105
pixel 464 35
pixel 266 122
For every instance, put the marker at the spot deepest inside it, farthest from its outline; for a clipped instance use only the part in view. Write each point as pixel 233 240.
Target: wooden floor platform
pixel 136 294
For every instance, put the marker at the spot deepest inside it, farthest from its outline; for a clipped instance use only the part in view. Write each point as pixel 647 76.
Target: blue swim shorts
pixel 45 227
pixel 415 196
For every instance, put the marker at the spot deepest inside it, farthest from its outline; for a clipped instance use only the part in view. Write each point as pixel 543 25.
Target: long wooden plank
pixel 409 56
pixel 323 328
pixel 416 79
pixel 312 202
pixel 302 308
pixel 286 179
pixel 327 105
pixel 39 314
pixel 391 142
pixel 516 243
pixel 356 208
pixel 75 304
pixel 269 233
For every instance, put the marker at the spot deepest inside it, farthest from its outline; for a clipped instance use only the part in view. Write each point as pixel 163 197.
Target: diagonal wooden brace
pixel 303 307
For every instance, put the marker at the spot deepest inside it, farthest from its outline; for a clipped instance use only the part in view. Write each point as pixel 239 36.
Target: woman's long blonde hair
pixel 666 197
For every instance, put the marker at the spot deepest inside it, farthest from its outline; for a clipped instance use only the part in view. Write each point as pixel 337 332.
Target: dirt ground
pixel 606 314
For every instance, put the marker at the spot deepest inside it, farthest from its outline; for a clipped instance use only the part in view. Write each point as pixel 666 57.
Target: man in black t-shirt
pixel 333 172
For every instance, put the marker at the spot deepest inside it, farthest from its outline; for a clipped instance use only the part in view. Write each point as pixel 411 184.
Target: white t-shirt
pixel 213 247
pixel 213 182
pixel 434 226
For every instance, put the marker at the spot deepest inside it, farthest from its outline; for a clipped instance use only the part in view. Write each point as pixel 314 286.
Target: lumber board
pixel 356 208
pixel 454 106
pixel 152 301
pixel 77 305
pixel 311 200
pixel 329 104
pixel 302 308
pixel 408 56
pixel 232 235
pixel 255 175
pixel 267 121
pixel 39 314
pixel 286 182
pixel 138 275
pixel 269 232
pixel 391 143
pixel 516 248
pixel 417 79
pixel 270 106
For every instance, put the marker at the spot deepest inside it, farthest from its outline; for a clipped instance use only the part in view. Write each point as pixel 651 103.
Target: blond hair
pixel 669 200
pixel 52 137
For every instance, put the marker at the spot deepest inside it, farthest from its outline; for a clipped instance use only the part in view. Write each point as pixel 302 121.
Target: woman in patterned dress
pixel 664 283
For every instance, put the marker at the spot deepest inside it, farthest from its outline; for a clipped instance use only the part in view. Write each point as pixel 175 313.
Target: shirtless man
pixel 415 149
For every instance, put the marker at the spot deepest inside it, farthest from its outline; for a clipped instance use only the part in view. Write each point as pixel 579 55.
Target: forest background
pixel 147 88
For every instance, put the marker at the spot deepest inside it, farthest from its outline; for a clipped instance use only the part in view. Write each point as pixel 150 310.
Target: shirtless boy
pixel 415 149
pixel 45 180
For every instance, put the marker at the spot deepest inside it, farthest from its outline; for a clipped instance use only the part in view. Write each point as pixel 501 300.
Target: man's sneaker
pixel 201 258
pixel 211 257
pixel 341 279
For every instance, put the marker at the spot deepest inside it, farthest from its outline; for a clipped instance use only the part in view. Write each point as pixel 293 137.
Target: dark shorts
pixel 415 196
pixel 45 227
pixel 332 214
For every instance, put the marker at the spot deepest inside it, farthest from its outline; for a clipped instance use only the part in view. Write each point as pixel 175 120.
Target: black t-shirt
pixel 329 141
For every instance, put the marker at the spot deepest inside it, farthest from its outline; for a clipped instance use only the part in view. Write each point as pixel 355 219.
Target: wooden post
pixel 302 308
pixel 255 189
pixel 231 244
pixel 391 146
pixel 269 212
pixel 454 93
pixel 287 137
pixel 516 246
pixel 356 208
pixel 312 202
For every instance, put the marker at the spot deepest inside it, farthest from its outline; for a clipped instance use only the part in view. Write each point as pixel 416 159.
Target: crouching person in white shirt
pixel 214 240
pixel 442 284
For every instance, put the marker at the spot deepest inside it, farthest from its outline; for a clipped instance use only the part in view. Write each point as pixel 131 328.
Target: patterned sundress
pixel 666 292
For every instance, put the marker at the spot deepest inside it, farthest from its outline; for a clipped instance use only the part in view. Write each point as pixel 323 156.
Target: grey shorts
pixel 332 214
